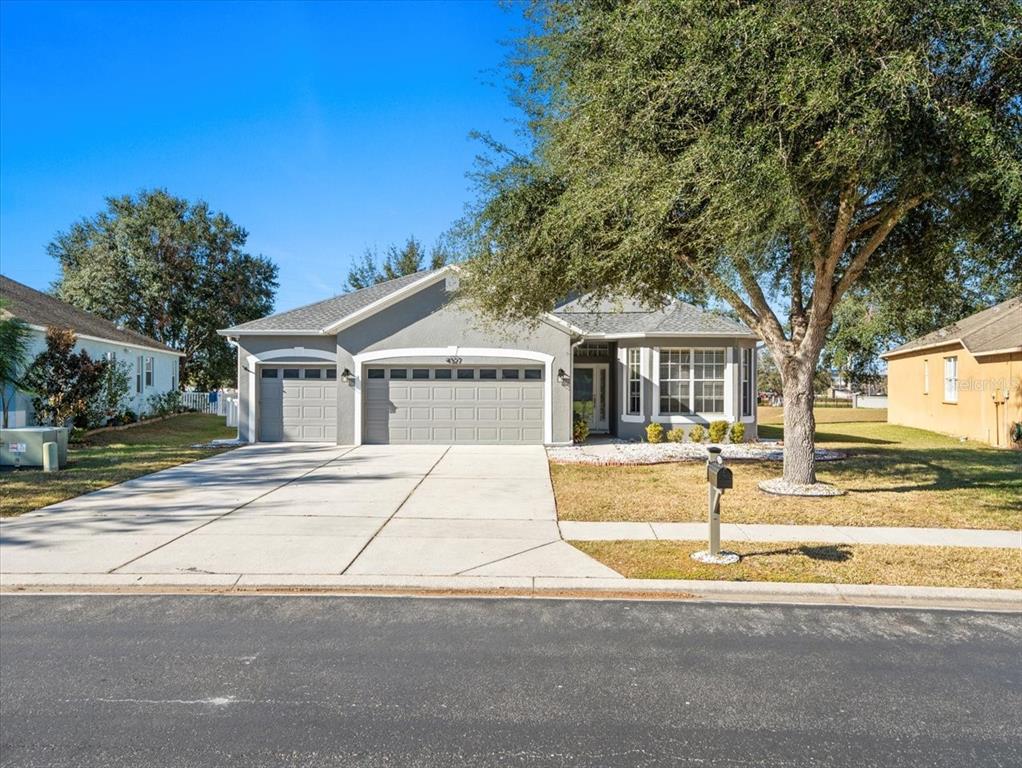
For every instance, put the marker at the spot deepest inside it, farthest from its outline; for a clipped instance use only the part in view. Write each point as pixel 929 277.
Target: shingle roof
pixel 992 330
pixel 315 317
pixel 625 316
pixel 38 308
pixel 610 316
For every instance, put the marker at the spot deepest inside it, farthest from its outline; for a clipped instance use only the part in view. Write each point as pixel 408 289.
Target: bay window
pixel 675 381
pixel 634 381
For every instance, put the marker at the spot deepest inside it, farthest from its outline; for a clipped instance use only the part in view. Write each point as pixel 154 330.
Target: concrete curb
pixel 538 587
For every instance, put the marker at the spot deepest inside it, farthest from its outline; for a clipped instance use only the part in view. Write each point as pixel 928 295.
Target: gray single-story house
pixel 406 362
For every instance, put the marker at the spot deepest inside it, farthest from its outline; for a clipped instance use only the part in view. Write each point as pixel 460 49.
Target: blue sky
pixel 321 128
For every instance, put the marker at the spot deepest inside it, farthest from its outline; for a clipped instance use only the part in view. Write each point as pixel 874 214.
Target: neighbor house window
pixel 926 377
pixel 149 371
pixel 708 380
pixel 951 379
pixel 138 374
pixel 747 393
pixel 675 372
pixel 634 381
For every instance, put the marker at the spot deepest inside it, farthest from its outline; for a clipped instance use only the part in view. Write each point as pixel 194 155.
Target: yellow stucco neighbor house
pixel 964 379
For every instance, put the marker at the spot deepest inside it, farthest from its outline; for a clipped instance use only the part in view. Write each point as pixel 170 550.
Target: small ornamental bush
pixel 655 433
pixel 676 435
pixel 697 433
pixel 718 431
pixel 580 429
pixel 737 432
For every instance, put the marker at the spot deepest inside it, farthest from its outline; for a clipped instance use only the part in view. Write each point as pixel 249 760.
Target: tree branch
pixel 858 264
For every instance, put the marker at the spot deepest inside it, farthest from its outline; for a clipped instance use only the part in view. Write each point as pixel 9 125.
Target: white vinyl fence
pixel 223 403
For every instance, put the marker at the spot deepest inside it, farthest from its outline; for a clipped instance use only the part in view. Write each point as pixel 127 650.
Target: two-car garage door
pixel 481 404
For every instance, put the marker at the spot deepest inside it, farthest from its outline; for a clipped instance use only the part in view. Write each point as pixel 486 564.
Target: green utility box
pixel 24 446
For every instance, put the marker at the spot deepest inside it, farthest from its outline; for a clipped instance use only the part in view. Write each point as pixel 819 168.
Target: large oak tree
pixel 172 270
pixel 770 155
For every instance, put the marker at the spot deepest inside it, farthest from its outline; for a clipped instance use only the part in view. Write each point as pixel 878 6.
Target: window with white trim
pixel 634 381
pixel 951 379
pixel 708 380
pixel 138 374
pixel 675 381
pixel 149 371
pixel 748 396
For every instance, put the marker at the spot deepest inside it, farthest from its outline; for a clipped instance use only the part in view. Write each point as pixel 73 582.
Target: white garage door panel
pixel 298 410
pixel 453 410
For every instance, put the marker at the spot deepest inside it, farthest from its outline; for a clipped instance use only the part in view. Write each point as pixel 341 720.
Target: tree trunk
pixel 799 422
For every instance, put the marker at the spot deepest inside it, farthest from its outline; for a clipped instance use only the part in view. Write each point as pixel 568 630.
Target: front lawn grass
pixel 817 563
pixel 894 476
pixel 113 457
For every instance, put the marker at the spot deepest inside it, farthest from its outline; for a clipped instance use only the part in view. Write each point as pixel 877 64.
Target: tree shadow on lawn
pixel 935 470
pixel 776 432
pixel 832 553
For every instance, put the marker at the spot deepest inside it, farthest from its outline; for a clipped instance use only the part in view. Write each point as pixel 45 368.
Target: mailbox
pixel 719 476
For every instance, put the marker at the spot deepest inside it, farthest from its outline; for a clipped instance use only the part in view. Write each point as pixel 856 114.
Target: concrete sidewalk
pixel 822 534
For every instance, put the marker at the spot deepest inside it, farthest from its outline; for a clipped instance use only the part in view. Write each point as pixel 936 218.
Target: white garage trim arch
pixel 274 354
pixel 524 354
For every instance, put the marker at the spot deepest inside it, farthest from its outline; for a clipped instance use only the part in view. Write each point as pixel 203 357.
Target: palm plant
pixel 14 338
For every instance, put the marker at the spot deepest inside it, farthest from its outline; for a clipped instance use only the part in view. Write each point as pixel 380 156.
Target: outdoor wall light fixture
pixel 347 376
pixel 562 376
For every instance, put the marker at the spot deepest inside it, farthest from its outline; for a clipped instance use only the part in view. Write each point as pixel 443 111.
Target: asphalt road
pixel 331 681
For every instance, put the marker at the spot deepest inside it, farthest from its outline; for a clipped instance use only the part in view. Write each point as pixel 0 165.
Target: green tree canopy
pixel 769 153
pixel 398 262
pixel 172 270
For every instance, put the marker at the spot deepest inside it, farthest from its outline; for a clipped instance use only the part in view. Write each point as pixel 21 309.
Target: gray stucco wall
pixel 635 429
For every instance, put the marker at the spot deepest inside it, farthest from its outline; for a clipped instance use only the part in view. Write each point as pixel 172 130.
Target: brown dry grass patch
pixel 816 563
pixel 894 476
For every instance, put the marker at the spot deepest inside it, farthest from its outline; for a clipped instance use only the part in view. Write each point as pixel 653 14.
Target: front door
pixel 589 395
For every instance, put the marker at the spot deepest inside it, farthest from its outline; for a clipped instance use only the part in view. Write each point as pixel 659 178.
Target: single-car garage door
pixel 498 404
pixel 298 404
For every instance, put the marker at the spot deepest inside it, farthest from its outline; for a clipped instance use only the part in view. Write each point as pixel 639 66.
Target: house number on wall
pixel 454 361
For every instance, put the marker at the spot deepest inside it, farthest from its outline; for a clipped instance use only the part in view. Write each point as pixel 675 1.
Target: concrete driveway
pixel 286 511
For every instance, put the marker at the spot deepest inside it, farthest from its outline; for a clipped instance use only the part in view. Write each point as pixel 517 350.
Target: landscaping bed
pixel 624 452
pixel 112 457
pixel 894 476
pixel 816 563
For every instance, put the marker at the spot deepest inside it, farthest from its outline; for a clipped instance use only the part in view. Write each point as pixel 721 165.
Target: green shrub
pixel 655 433
pixel 737 432
pixel 580 429
pixel 718 431
pixel 676 435
pixel 697 433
